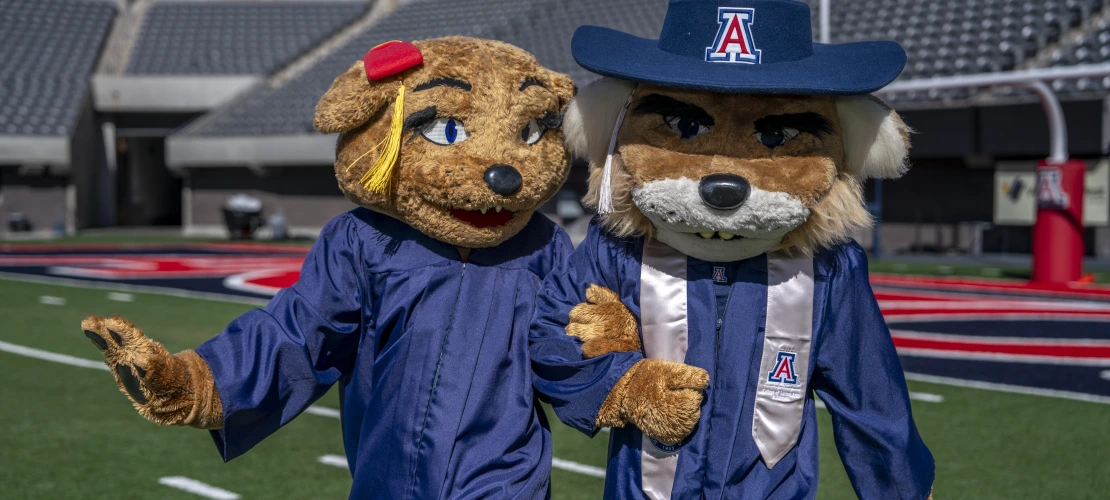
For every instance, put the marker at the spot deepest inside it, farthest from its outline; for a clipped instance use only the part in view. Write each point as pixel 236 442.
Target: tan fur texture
pixel 165 389
pixel 661 398
pixel 825 173
pixel 603 324
pixel 431 179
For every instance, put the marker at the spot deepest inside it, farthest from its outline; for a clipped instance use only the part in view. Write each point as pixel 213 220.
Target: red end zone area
pixel 1051 339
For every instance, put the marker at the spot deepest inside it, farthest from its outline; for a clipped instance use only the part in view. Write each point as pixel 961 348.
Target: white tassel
pixel 605 197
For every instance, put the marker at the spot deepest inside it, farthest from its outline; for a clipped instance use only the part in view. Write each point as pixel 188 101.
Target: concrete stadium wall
pixel 38 195
pixel 90 173
pixel 308 197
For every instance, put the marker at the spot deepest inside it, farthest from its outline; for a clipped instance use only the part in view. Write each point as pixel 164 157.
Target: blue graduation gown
pixel 854 368
pixel 430 354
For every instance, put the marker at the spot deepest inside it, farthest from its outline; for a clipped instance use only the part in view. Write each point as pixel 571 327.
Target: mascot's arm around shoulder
pixel 309 330
pixel 605 381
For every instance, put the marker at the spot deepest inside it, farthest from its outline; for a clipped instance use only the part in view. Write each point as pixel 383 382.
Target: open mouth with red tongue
pixel 478 219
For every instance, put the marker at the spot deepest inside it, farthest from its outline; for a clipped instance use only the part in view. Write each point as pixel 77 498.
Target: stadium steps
pixel 381 9
pixel 122 37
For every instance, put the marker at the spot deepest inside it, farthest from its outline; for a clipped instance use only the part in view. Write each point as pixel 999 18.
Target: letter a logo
pixel 1050 192
pixel 783 372
pixel 734 43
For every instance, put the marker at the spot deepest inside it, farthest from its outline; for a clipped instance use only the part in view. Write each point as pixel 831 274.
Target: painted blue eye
pixel 686 127
pixel 775 138
pixel 452 131
pixel 445 131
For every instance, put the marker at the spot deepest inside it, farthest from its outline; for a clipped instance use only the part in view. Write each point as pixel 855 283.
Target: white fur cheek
pixel 676 205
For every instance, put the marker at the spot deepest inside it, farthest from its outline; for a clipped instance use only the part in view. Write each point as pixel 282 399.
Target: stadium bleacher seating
pixel 955 37
pixel 231 38
pixel 48 49
pixel 288 109
pixel 543 27
pixel 942 37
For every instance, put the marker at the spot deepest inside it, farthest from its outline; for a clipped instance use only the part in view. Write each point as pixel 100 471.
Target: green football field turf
pixel 67 432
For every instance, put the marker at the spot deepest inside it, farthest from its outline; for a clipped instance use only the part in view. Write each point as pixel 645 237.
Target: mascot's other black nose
pixel 724 191
pixel 503 180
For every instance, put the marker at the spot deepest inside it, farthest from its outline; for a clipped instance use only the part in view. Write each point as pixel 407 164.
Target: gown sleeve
pixel 859 378
pixel 575 387
pixel 270 364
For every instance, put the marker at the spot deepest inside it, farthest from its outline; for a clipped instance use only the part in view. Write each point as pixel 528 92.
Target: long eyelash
pixel 530 82
pixel 810 123
pixel 552 120
pixel 667 106
pixel 420 118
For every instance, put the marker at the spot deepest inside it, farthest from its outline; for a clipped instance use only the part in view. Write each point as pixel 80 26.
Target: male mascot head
pixel 736 140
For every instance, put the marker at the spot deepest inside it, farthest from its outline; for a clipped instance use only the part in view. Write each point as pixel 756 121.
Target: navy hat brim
pixel 842 69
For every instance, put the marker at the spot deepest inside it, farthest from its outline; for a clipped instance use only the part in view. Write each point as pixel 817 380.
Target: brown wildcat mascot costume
pixel 727 158
pixel 417 305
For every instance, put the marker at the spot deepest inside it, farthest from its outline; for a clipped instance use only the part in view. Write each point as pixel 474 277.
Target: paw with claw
pixel 166 389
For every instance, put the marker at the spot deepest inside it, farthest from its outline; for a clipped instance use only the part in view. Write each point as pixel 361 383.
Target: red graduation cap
pixel 391 58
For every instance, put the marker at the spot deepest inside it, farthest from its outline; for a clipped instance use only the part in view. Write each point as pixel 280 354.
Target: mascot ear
pixel 563 87
pixel 876 141
pixel 589 121
pixel 352 100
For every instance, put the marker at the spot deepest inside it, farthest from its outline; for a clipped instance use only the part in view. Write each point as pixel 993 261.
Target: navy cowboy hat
pixel 740 46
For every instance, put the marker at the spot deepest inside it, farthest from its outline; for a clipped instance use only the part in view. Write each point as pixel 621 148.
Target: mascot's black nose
pixel 503 180
pixel 724 191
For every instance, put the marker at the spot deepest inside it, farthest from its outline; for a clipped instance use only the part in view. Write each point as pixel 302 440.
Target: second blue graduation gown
pixel 430 354
pixel 853 367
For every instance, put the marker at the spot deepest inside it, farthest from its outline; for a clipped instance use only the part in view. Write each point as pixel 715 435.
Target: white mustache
pixel 676 205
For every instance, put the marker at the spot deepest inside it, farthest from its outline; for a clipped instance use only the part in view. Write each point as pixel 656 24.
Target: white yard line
pixel 64 359
pixel 583 469
pixel 334 460
pixel 914 396
pixel 197 488
pixel 322 411
pixel 926 397
pixel 121 297
pixel 1015 389
pixel 51 300
pixel 120 287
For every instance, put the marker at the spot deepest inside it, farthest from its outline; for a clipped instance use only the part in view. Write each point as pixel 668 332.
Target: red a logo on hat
pixel 734 41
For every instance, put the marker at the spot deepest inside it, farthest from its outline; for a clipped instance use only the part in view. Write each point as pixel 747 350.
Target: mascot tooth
pixel 718 290
pixel 413 304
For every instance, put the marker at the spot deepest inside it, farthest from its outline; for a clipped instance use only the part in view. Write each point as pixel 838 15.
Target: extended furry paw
pixel 661 398
pixel 603 324
pixel 166 389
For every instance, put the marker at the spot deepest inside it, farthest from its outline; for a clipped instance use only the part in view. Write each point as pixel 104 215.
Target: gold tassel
pixel 379 178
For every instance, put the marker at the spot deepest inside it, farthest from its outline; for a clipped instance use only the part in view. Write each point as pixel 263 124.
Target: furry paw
pixel 164 388
pixel 661 398
pixel 603 324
